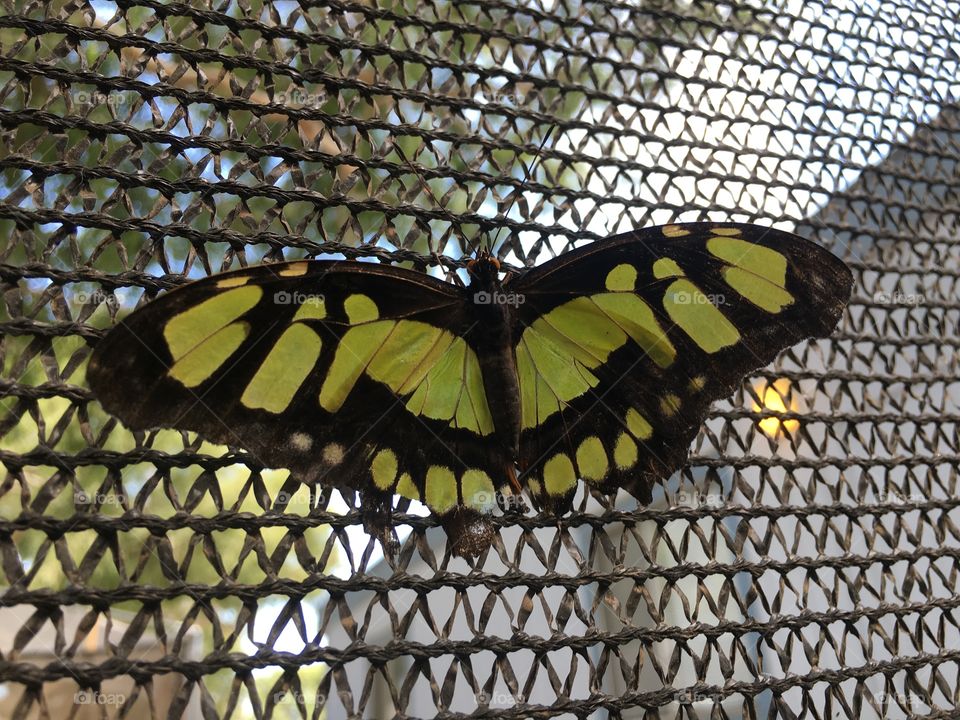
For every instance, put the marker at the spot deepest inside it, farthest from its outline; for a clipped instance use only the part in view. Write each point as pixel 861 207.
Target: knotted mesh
pixel 805 564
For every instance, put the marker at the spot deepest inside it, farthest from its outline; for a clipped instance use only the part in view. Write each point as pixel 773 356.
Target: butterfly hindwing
pixel 623 344
pixel 352 374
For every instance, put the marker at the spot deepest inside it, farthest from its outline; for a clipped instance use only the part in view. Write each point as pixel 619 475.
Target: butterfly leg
pixel 512 477
pixel 376 513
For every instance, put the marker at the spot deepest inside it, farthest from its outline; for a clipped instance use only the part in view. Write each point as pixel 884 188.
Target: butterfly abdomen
pixel 492 338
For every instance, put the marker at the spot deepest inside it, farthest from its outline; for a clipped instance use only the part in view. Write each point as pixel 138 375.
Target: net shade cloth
pixel 805 564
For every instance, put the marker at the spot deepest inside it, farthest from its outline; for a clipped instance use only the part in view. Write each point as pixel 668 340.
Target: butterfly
pixel 597 366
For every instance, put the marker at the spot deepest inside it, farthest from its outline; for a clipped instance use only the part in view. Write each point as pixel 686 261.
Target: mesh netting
pixel 805 564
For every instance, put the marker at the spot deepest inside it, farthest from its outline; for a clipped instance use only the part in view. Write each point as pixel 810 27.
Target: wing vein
pixel 546 319
pixel 422 361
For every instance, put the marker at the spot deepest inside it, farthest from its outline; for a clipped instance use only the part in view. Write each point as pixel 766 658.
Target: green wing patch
pixel 558 350
pixel 436 368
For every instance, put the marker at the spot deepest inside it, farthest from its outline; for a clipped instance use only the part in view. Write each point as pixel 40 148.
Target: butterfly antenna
pixel 423 182
pixel 527 171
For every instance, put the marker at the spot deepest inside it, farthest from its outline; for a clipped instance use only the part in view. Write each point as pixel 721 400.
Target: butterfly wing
pixel 624 344
pixel 353 374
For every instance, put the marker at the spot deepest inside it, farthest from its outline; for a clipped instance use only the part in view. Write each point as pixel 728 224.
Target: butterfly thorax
pixel 491 335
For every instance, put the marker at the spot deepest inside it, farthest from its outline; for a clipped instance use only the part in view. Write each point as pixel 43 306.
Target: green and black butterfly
pixel 599 365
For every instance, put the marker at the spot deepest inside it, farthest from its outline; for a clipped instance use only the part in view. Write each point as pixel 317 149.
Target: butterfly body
pixel 492 336
pixel 597 366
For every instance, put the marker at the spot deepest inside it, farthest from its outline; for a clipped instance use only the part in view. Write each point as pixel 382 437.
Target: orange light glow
pixel 774 397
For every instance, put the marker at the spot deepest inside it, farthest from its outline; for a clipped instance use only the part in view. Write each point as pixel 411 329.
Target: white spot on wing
pixel 333 454
pixel 301 441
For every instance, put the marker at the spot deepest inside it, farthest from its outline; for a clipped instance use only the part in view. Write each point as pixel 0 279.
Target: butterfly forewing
pixel 622 345
pixel 352 374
